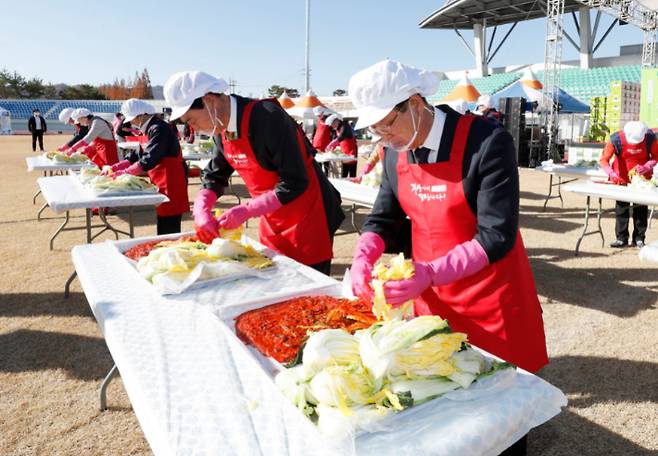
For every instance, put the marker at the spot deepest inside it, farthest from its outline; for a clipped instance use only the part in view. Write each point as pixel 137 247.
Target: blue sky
pixel 256 42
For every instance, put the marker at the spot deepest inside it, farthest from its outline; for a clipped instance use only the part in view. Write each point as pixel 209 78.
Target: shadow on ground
pixel 574 285
pixel 82 357
pixel 44 304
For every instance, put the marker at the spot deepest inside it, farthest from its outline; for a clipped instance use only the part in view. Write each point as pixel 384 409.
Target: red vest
pixel 497 307
pixel 299 228
pixel 322 136
pixel 628 156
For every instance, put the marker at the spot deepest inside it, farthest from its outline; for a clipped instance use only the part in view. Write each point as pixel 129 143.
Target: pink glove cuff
pixel 332 144
pixel 134 169
pixel 78 145
pixel 461 261
pixel 203 203
pixel 263 204
pixel 370 247
pixel 607 169
pixel 123 164
pixel 366 169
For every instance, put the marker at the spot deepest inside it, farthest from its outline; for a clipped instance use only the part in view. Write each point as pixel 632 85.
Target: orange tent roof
pixel 285 101
pixel 464 90
pixel 530 80
pixel 309 101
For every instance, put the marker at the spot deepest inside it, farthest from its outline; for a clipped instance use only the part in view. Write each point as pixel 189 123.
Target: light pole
pixel 307 85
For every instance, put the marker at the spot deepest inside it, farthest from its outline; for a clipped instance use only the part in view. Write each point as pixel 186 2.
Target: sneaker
pixel 619 244
pixel 639 244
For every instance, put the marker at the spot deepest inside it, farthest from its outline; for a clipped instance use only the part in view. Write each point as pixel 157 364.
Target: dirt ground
pixel 599 310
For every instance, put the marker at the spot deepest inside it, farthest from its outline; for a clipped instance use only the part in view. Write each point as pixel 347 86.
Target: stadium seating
pixel 50 109
pixel 581 84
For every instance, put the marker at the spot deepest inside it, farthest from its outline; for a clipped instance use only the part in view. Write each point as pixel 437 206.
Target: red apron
pixel 169 176
pixel 322 136
pixel 102 152
pixel 348 147
pixel 497 307
pixel 630 156
pixel 298 229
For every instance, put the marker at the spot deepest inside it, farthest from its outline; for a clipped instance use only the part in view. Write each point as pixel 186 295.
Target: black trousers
pixel 640 221
pixel 349 170
pixel 324 267
pixel 37 135
pixel 169 224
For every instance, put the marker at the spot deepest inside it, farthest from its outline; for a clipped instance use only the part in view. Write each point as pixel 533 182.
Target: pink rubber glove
pixel 123 164
pixel 78 145
pixel 366 169
pixel 462 261
pixel 261 205
pixel 368 250
pixel 135 169
pixel 612 175
pixel 205 223
pixel 332 145
pixel 646 168
pixel 62 148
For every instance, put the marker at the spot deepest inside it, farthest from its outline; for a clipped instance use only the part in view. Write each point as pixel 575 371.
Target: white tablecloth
pixel 613 192
pixel 573 171
pixel 355 193
pixel 41 163
pixel 325 158
pixel 129 145
pixel 196 156
pixel 63 193
pixel 196 389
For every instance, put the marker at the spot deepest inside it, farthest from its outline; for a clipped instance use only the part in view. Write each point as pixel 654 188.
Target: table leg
pixel 130 222
pixel 550 190
pixel 108 226
pixel 43 208
pixel 88 224
pixel 59 230
pixel 559 191
pixel 353 217
pixel 653 208
pixel 584 233
pixel 106 382
pixel 34 198
pixel 598 223
pixel 67 286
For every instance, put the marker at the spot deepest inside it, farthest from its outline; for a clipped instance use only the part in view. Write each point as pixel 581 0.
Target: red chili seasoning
pixel 279 330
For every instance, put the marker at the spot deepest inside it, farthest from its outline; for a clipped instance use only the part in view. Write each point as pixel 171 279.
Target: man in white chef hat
pixel 455 177
pixel 635 150
pixel 299 209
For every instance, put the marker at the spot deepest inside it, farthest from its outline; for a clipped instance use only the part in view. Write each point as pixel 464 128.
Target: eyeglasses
pixel 385 130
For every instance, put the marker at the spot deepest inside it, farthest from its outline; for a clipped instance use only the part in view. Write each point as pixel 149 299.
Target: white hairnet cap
pixel 329 120
pixel 181 89
pixel 486 101
pixel 634 132
pixel 320 110
pixel 376 90
pixel 79 113
pixel 134 107
pixel 460 105
pixel 65 114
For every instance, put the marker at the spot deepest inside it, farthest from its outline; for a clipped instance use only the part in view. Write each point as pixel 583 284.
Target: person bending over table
pixel 161 159
pixel 79 132
pixel 299 209
pixel 98 144
pixel 455 177
pixel 346 140
pixel 635 150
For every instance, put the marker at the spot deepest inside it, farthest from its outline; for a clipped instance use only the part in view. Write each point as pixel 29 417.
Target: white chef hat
pixel 79 113
pixel 460 105
pixel 329 120
pixel 485 101
pixel 134 107
pixel 65 114
pixel 635 131
pixel 321 110
pixel 181 89
pixel 376 90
